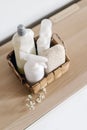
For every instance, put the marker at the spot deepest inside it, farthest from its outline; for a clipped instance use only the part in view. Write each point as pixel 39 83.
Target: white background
pixel 14 12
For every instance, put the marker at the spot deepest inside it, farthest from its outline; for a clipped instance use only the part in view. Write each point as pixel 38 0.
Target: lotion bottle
pixel 23 43
pixel 45 35
pixel 34 71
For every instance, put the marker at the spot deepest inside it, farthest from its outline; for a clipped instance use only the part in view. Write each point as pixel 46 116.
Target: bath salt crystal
pixel 55 56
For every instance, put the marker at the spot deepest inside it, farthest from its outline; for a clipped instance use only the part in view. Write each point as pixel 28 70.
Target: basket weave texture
pixel 55 74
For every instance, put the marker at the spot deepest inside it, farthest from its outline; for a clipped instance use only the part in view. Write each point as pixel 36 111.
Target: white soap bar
pixel 55 56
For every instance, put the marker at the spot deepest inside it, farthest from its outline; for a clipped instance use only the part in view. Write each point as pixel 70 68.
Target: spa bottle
pixel 45 35
pixel 33 72
pixel 34 68
pixel 23 43
pixel 46 28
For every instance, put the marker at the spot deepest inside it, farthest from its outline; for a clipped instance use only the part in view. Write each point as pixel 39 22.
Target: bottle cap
pixel 46 23
pixel 21 30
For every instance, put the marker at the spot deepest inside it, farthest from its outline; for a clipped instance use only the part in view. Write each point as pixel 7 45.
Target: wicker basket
pixel 58 72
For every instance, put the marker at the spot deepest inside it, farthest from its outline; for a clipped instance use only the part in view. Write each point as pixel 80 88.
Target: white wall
pixel 14 12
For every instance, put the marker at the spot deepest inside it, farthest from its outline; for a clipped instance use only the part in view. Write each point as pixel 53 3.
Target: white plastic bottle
pixel 23 43
pixel 43 43
pixel 34 71
pixel 46 28
pixel 45 35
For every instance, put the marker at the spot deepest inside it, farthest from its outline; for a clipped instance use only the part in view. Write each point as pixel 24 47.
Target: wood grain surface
pixel 13 112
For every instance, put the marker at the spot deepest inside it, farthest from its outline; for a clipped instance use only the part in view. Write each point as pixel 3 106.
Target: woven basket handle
pixel 59 38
